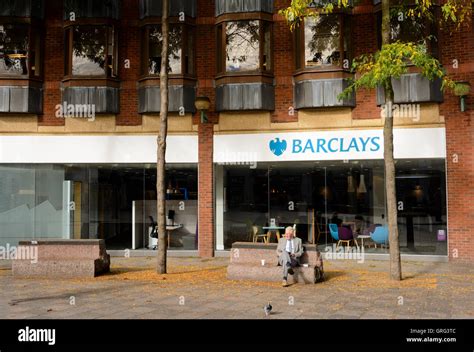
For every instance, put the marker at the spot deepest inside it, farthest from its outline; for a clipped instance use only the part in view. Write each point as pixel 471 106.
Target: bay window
pixel 91 51
pixel 323 60
pixel 20 50
pixel 181 56
pixel 244 79
pixel 415 30
pixel 91 56
pixel 323 43
pixel 245 46
pixel 181 50
pixel 412 87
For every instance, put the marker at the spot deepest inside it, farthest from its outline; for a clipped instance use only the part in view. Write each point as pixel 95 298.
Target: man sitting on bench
pixel 289 251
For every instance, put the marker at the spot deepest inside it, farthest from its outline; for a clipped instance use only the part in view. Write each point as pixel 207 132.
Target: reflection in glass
pixel 408 30
pixel 14 42
pixel 242 46
pixel 421 186
pixel 322 41
pixel 190 54
pixel 267 48
pixel 110 202
pixel 175 48
pixel 89 50
pixel 312 195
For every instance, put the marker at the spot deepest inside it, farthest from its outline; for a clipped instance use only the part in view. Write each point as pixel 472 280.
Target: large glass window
pixel 181 50
pixel 112 202
pixel 421 193
pixel 91 51
pixel 312 195
pixel 323 42
pixel 20 50
pixel 244 46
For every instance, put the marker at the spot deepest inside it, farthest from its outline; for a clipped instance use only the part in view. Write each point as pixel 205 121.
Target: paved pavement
pixel 198 288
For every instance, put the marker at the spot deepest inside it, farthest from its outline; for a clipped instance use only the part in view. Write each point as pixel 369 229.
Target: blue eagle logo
pixel 277 146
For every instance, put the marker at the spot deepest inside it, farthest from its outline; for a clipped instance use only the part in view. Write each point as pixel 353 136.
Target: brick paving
pixel 197 289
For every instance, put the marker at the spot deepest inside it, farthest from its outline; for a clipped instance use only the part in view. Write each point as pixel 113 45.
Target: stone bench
pixel 246 264
pixel 62 259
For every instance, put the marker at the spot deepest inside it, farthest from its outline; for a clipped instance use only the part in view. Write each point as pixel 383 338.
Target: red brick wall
pixel 460 144
pixel 459 126
pixel 283 65
pixel 206 191
pixel 206 70
pixel 129 49
pixel 53 63
pixel 364 41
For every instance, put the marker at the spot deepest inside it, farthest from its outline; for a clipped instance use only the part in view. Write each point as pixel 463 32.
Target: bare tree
pixel 161 152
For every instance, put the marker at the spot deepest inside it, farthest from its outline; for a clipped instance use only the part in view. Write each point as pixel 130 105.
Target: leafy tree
pixel 379 69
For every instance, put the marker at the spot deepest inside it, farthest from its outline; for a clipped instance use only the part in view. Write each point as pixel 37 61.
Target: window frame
pixel 225 76
pixel 300 47
pixel 68 43
pixel 146 79
pixel 35 32
pixel 186 30
pixel 430 27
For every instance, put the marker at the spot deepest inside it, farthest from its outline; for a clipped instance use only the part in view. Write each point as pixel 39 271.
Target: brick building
pixel 79 115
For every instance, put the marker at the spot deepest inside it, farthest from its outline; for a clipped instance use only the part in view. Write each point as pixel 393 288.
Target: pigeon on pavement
pixel 268 309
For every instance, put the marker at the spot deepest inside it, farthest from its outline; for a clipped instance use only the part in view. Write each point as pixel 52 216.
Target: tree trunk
pixel 161 152
pixel 390 186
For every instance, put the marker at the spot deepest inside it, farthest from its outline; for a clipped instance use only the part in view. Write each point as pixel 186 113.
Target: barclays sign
pixel 324 145
pixel 329 145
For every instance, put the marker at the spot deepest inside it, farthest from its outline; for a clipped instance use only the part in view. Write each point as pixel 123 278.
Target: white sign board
pixel 328 145
pixel 95 149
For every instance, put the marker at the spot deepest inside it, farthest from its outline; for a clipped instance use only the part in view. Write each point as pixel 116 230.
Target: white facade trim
pixel 95 149
pixel 409 143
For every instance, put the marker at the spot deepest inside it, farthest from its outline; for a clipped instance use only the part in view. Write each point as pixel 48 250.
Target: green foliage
pixel 392 61
pixel 462 89
pixel 457 11
pixel 299 9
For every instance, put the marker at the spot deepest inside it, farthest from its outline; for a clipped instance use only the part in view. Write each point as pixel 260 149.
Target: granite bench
pixel 62 259
pixel 259 262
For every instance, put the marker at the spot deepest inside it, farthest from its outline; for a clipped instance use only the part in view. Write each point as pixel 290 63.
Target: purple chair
pixel 346 236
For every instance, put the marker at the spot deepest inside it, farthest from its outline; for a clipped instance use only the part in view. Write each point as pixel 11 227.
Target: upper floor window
pixel 323 42
pixel 415 30
pixel 92 51
pixel 181 50
pixel 20 50
pixel 244 46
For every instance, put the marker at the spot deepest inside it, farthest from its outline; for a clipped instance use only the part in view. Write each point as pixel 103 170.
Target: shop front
pixel 85 187
pixel 310 180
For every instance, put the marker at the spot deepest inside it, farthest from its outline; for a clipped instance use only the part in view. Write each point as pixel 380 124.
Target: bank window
pixel 20 50
pixel 407 29
pixel 244 46
pixel 323 42
pixel 91 51
pixel 181 50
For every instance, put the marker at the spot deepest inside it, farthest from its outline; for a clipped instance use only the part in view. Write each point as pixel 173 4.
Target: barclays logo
pixel 368 144
pixel 278 147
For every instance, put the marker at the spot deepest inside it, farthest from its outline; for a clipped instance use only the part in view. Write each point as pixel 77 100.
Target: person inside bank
pixel 289 251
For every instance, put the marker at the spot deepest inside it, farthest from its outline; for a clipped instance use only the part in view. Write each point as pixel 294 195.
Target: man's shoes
pixel 284 283
pixel 290 271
